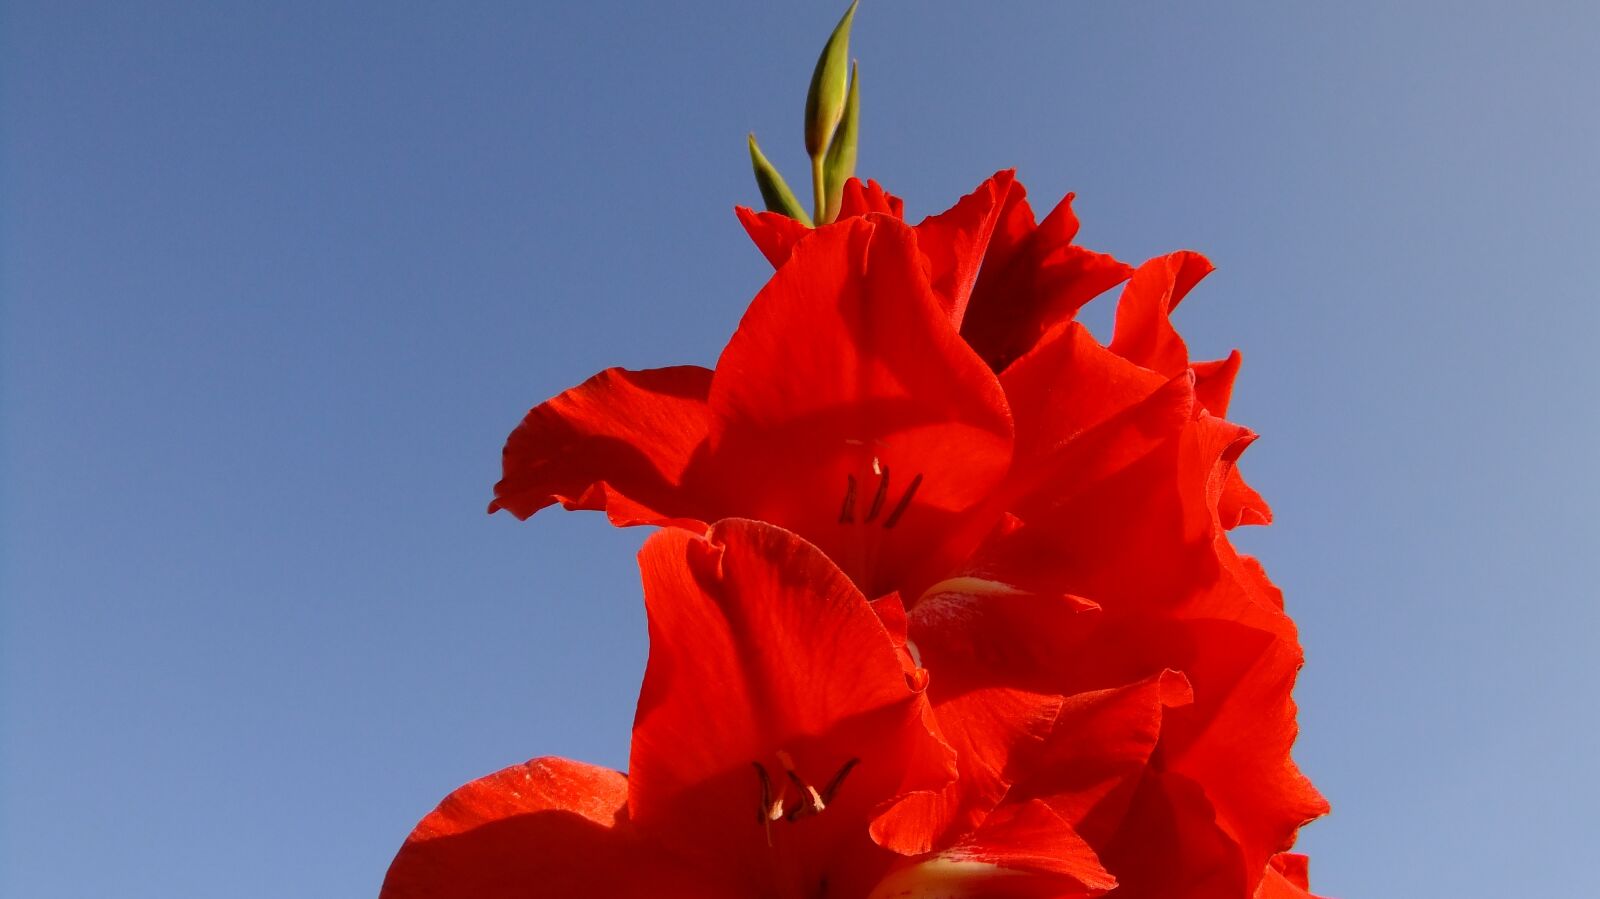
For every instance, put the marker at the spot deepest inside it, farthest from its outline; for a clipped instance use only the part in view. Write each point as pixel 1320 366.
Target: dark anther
pixel 847 513
pixel 903 504
pixel 833 785
pixel 881 495
pixel 766 793
pixel 808 804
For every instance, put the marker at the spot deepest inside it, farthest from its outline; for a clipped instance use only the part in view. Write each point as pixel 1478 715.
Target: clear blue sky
pixel 278 278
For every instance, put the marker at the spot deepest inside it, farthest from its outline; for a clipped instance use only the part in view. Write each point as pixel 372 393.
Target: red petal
pixel 861 199
pixel 1102 455
pixel 1144 332
pixel 1097 752
pixel 622 441
pixel 1238 503
pixel 991 650
pixel 1033 279
pixel 1287 878
pixel 1236 741
pixel 774 233
pixel 954 242
pixel 1067 384
pixel 844 370
pixel 1169 846
pixel 763 653
pixel 550 827
pixel 1213 383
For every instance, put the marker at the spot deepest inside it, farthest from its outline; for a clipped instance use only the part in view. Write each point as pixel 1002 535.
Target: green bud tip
pixel 825 99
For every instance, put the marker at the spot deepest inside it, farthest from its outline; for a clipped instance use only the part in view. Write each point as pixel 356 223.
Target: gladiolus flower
pixel 919 403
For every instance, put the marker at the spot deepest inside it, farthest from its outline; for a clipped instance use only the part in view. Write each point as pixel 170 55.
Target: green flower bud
pixel 825 99
pixel 774 192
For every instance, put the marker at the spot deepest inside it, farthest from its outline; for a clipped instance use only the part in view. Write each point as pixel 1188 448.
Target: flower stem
pixel 819 189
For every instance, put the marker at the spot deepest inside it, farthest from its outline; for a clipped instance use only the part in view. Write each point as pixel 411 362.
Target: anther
pixel 882 471
pixel 838 778
pixel 847 513
pixel 770 810
pixel 903 504
pixel 813 806
pixel 807 792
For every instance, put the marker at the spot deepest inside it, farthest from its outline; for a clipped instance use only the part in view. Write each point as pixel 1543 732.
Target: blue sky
pixel 277 279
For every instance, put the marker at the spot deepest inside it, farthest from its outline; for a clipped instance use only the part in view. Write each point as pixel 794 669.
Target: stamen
pixel 847 513
pixel 833 785
pixel 766 793
pixel 903 504
pixel 810 792
pixel 882 472
pixel 807 792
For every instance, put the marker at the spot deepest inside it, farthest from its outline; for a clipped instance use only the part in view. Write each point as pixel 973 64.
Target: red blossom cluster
pixel 942 603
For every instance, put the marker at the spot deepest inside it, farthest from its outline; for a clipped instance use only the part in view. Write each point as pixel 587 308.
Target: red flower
pixel 776 730
pixel 919 403
pixel 846 408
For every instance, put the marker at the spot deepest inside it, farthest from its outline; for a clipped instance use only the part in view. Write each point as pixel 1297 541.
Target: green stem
pixel 819 188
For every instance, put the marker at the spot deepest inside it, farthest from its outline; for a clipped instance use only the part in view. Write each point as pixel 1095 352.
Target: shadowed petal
pixel 1033 279
pixel 1096 755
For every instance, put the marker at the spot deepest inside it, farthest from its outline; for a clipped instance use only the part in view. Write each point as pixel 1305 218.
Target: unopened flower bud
pixel 829 85
pixel 775 193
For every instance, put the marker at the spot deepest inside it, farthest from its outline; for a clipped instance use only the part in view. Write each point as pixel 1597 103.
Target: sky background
pixel 278 278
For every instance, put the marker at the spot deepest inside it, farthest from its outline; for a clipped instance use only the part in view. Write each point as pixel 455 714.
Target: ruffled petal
pixel 622 441
pixel 551 828
pixel 775 718
pixel 1200 609
pixel 954 242
pixel 774 233
pixel 1033 279
pixel 850 412
pixel 991 650
pixel 1145 336
pixel 1236 741
pixel 865 198
pixel 1144 333
pixel 1213 383
pixel 1097 752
